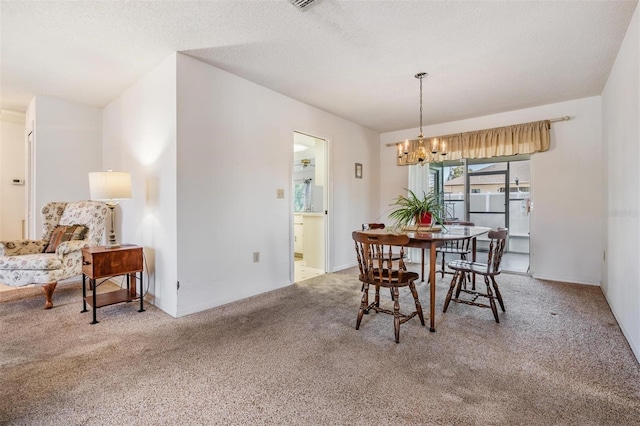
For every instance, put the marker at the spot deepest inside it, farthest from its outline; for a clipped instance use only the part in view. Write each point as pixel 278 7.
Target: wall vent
pixel 302 4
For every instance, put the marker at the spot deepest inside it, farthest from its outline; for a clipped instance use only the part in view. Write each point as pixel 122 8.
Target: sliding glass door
pixel 492 193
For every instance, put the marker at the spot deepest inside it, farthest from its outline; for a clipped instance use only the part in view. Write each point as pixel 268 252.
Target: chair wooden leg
pixel 363 305
pixel 492 300
pixel 442 272
pixel 450 292
pixel 462 283
pixel 498 295
pixel 412 287
pixel 396 313
pixel 463 256
pixel 378 296
pixel 48 294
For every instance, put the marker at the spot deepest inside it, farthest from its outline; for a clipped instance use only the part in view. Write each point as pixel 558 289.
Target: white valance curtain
pixel 525 138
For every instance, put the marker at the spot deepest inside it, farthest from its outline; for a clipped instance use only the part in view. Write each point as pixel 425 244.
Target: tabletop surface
pixel 448 232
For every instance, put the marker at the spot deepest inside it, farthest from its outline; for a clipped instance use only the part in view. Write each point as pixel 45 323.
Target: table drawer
pixel 99 262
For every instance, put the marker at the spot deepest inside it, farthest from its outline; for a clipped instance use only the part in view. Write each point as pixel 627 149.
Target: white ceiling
pixel 355 59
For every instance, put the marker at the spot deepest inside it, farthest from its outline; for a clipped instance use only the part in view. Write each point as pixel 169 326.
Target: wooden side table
pixel 103 262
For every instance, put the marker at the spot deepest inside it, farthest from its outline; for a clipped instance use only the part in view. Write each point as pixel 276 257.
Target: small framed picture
pixel 358 170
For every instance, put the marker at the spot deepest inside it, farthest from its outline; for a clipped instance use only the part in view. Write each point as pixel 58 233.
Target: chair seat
pixel 40 261
pixel 452 250
pixel 407 277
pixel 474 267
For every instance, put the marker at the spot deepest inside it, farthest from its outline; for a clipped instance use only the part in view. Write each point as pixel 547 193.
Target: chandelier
pixel 414 151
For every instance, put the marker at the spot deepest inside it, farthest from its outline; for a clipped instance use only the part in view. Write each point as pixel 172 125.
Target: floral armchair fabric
pixel 24 262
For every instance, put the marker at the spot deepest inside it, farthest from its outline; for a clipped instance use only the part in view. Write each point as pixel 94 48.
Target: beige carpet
pixel 293 356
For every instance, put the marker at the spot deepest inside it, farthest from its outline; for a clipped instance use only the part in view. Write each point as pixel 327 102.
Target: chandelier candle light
pixel 110 186
pixel 414 151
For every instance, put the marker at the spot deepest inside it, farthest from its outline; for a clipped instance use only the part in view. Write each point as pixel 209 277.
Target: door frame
pixel 327 200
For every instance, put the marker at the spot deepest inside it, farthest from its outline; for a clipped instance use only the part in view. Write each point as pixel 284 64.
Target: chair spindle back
pixel 376 260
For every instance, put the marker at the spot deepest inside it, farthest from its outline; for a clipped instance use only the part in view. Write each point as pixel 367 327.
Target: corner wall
pixel 566 241
pixel 621 177
pixel 140 137
pixel 235 149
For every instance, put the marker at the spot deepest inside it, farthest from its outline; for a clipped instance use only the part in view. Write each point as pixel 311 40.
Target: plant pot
pixel 424 219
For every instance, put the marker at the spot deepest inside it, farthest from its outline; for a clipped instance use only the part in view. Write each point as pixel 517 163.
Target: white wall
pixel 566 241
pixel 68 142
pixel 235 148
pixel 621 150
pixel 12 149
pixel 140 137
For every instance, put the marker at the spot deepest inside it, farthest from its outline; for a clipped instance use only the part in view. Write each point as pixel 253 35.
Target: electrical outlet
pixel 280 193
pixel 256 256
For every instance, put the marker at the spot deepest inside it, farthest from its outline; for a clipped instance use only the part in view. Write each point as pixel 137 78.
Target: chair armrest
pixel 20 247
pixel 70 246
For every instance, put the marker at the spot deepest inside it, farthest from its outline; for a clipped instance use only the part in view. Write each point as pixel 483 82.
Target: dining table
pixel 430 238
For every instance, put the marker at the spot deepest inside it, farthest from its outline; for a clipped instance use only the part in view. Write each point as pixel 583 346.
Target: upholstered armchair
pixel 66 229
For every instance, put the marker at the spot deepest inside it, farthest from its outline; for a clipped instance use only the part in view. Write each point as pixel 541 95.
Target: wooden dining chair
pixel 453 247
pixel 380 268
pixel 489 270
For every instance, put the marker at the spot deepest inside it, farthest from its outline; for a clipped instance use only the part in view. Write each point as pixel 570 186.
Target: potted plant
pixel 423 211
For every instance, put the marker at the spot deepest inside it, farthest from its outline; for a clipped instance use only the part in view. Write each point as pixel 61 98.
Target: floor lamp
pixel 110 186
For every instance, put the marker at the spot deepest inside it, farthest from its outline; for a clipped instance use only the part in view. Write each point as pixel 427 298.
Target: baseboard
pixel 225 301
pixel 635 348
pixel 342 267
pixel 8 293
pixel 564 280
pixel 32 290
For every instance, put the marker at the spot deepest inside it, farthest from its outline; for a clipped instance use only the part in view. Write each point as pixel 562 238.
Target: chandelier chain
pixel 420 106
pixel 420 76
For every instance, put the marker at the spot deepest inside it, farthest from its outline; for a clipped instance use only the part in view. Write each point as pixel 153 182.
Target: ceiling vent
pixel 302 4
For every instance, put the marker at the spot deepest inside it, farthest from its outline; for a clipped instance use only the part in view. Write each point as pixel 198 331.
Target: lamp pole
pixel 112 243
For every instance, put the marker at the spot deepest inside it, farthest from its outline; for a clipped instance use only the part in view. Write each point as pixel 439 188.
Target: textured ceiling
pixel 355 59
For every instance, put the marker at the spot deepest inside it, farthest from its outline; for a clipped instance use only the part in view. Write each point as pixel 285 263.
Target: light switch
pixel 280 193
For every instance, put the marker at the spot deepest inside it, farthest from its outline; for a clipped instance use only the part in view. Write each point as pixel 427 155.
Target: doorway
pixel 12 168
pixel 493 193
pixel 309 189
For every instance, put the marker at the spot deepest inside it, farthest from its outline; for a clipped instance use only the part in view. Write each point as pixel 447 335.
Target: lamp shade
pixel 110 185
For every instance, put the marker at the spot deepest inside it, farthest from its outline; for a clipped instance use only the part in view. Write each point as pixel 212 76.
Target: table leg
pixel 473 258
pixel 95 286
pixel 141 294
pixel 422 249
pixel 84 294
pixel 432 285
